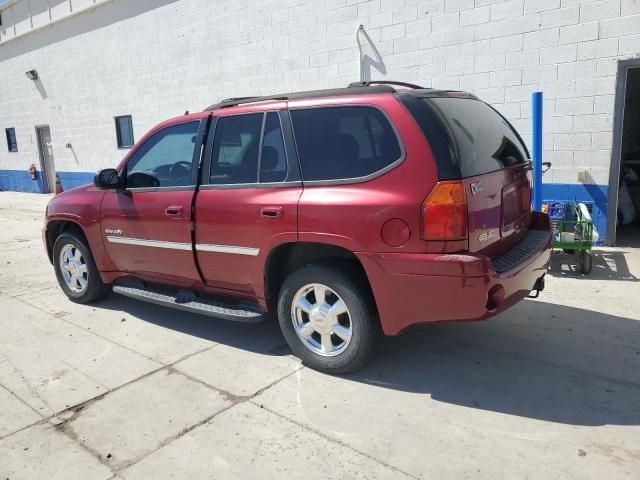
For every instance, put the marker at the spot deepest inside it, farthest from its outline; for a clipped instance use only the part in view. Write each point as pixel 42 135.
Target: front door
pixel 147 226
pixel 248 202
pixel 47 167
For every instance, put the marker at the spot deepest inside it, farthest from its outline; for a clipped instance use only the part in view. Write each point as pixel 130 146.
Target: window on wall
pixel 124 131
pixel 12 144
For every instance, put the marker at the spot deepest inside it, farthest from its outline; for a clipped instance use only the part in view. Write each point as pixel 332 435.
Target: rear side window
pixel 273 161
pixel 336 143
pixel 467 136
pixel 236 148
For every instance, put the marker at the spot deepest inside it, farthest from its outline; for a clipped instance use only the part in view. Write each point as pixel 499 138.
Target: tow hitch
pixel 537 288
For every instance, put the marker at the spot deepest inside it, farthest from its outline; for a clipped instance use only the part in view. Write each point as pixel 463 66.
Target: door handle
pixel 271 212
pixel 173 211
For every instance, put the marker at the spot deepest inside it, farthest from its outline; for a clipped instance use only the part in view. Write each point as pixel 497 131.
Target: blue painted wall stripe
pixel 20 180
pixel 595 194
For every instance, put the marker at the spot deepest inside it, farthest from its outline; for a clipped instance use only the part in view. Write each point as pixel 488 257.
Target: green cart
pixel 573 231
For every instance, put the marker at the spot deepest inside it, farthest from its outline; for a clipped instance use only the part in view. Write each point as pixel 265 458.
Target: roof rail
pixel 235 101
pixel 368 83
pixel 353 90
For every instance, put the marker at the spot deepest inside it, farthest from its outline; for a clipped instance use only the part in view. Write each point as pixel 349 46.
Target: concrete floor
pixel 123 389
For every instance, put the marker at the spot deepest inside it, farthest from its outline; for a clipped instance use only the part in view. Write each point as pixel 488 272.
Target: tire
pixel 67 263
pixel 359 318
pixel 585 262
pixel 569 251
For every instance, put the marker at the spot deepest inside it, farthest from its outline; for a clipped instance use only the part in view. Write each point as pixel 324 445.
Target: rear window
pixel 336 143
pixel 467 136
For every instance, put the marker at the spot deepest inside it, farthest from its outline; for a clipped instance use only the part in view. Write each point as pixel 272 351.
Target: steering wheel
pixel 174 171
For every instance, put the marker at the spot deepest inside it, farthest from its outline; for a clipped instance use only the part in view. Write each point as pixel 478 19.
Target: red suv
pixel 344 212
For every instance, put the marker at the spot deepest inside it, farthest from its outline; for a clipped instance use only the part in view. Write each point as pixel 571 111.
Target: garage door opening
pixel 624 184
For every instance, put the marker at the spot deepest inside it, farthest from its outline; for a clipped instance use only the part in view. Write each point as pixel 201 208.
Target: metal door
pixel 47 166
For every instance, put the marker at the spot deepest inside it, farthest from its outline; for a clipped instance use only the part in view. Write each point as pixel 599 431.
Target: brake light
pixel 444 212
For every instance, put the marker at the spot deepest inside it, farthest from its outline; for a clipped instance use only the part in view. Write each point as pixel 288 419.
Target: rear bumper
pixel 423 288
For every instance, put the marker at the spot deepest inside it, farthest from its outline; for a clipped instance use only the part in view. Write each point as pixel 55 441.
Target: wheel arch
pixel 57 227
pixel 288 257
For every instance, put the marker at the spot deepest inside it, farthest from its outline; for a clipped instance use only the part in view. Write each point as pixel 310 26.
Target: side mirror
pixel 107 178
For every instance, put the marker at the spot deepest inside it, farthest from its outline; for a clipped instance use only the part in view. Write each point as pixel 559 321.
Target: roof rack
pixel 235 101
pixel 368 83
pixel 353 89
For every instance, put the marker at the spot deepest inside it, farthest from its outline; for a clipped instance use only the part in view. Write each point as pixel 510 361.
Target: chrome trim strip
pixel 229 186
pixel 206 247
pixel 203 247
pixel 149 243
pixel 177 188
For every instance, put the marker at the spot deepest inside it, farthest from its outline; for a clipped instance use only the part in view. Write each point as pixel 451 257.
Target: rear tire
pixel 335 334
pixel 76 270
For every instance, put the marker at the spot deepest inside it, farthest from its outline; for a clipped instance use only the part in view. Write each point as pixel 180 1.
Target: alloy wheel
pixel 321 320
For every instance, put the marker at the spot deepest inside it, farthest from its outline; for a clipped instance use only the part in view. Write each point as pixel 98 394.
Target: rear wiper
pixel 546 166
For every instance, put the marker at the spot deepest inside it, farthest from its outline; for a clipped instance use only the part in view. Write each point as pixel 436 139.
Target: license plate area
pixel 516 207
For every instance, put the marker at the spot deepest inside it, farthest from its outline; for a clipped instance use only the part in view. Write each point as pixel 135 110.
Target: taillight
pixel 444 212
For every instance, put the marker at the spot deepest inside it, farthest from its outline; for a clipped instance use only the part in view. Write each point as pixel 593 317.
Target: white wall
pixel 158 58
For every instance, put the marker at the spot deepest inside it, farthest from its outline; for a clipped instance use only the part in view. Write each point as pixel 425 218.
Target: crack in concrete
pixel 337 441
pixel 65 424
pixel 86 330
pixel 31 388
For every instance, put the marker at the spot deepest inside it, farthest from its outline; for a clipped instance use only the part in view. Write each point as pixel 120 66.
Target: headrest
pixel 270 158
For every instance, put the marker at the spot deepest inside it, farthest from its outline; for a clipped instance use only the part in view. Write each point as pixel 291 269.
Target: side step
pixel 188 301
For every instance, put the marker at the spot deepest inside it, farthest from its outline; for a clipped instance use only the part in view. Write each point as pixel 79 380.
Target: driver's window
pixel 165 159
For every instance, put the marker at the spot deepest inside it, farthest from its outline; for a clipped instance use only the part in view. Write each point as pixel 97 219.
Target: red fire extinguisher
pixel 33 171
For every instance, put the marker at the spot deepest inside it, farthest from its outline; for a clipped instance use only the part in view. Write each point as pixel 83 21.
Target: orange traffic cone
pixel 58 185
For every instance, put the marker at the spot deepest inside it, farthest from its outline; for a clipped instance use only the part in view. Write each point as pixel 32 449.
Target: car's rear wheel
pixel 76 270
pixel 328 318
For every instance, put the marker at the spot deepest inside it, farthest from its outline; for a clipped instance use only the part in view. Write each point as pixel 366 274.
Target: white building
pixel 95 60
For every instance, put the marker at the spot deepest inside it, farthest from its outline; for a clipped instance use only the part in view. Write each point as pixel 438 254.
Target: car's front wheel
pixel 328 318
pixel 76 271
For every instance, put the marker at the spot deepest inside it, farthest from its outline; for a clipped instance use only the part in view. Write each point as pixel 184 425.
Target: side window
pixel 273 162
pixel 236 147
pixel 165 159
pixel 343 142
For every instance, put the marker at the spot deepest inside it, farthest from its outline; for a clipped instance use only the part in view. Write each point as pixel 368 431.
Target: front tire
pixel 328 318
pixel 76 270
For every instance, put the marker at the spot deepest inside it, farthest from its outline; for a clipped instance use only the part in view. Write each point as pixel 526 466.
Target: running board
pixel 188 301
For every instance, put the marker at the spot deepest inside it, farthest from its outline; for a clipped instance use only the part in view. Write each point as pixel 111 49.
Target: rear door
pixel 248 200
pixel 489 156
pixel 147 226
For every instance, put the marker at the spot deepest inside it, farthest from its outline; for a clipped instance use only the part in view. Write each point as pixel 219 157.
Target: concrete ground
pixel 128 390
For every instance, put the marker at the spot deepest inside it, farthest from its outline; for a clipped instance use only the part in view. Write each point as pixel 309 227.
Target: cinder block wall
pixel 158 58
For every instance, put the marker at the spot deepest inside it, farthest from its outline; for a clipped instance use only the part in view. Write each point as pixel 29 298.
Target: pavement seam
pixel 337 441
pixel 86 330
pixel 84 404
pixel 233 399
